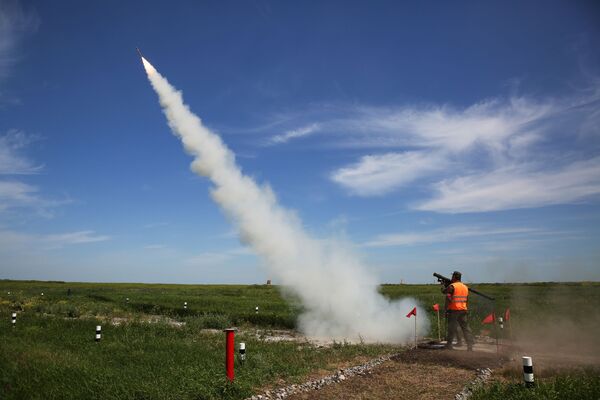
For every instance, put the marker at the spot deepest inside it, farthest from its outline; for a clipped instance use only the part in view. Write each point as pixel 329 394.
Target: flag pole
pixel 496 330
pixel 415 330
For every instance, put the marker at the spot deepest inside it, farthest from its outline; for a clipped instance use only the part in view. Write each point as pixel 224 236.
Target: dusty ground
pixel 414 374
pixel 441 374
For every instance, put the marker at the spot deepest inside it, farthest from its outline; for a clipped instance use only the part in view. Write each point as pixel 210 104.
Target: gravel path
pixel 422 374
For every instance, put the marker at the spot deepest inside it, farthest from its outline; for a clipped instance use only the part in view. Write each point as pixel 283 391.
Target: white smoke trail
pixel 340 297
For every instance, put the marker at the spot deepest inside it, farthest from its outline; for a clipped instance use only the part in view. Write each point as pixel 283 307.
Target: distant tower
pixel 268 281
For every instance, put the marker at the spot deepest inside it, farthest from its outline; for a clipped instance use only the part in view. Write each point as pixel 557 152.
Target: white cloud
pixel 490 122
pixel 446 235
pixel 12 162
pixel 155 247
pixel 153 225
pixel 380 174
pixel 208 259
pixel 14 193
pixel 15 23
pixel 14 240
pixel 500 129
pixel 218 258
pixel 517 187
pixel 63 239
pixel 494 155
pixel 294 134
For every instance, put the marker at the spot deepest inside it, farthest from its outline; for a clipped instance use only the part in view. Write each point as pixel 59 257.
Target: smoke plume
pixel 339 296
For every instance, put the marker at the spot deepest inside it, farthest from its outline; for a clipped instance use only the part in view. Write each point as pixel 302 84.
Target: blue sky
pixel 432 136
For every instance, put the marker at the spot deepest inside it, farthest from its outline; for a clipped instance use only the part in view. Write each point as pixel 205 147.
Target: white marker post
pixel 528 372
pixel 98 333
pixel 127 299
pixel 14 319
pixel 185 305
pixel 242 352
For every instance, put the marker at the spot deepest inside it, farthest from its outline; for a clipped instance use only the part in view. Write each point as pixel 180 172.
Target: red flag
pixel 412 312
pixel 489 319
pixel 507 314
pixel 436 307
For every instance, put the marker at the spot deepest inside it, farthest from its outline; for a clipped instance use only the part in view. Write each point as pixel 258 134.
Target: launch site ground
pixel 154 347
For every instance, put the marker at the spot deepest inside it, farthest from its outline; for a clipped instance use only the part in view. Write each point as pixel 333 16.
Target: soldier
pixel 459 334
pixel 457 294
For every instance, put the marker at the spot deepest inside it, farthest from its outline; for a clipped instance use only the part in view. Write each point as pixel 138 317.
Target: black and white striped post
pixel 185 305
pixel 528 371
pixel 98 333
pixel 501 323
pixel 127 299
pixel 242 352
pixel 14 318
pixel 256 310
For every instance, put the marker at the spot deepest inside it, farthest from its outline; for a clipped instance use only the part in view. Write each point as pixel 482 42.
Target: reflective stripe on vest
pixel 458 300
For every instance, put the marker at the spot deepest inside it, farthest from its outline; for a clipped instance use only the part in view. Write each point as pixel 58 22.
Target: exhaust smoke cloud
pixel 339 296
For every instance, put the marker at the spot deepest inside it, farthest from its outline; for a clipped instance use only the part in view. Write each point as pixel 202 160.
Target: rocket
pixel 147 66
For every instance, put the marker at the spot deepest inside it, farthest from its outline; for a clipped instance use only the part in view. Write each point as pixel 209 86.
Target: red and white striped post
pixel 229 352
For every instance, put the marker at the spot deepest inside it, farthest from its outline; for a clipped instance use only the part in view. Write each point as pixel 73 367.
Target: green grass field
pixel 580 385
pixel 51 353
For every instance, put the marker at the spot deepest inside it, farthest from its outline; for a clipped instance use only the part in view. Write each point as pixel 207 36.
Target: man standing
pixel 457 294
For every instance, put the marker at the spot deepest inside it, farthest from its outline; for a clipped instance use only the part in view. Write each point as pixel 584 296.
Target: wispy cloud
pixel 12 161
pixel 218 258
pixel 15 23
pixel 153 225
pixel 497 154
pixel 380 174
pixel 293 134
pixel 489 123
pixel 14 193
pixel 64 239
pixel 446 235
pixel 12 239
pixel 18 194
pixel 155 247
pixel 518 186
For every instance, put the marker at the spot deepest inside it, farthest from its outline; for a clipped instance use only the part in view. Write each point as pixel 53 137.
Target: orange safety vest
pixel 458 299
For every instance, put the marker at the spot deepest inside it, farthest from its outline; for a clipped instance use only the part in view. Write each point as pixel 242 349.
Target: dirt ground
pixel 441 374
pixel 414 374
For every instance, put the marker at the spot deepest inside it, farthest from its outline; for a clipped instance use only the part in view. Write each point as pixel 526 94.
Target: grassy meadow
pixel 580 384
pixel 146 353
